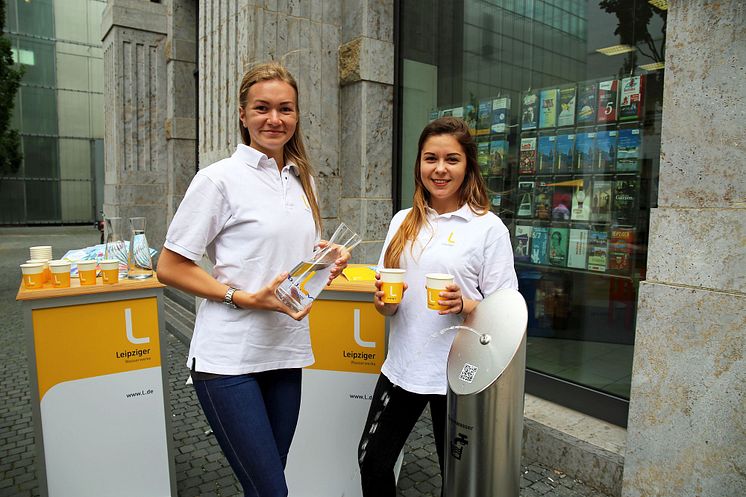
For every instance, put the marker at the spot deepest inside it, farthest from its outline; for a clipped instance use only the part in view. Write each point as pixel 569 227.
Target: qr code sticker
pixel 468 373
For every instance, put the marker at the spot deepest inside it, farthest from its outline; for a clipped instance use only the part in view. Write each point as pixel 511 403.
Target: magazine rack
pixel 572 191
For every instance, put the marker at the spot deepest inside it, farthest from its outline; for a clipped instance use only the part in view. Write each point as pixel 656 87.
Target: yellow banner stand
pixel 349 343
pixel 99 390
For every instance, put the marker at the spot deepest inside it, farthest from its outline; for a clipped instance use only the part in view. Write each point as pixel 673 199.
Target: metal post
pixel 484 430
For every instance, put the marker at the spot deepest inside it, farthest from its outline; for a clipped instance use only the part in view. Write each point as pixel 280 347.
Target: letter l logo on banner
pixel 128 327
pixel 358 339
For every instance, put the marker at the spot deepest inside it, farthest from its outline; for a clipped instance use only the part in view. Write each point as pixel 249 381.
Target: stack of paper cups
pixel 41 252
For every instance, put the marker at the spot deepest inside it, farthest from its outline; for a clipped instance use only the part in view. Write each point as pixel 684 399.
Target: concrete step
pixel 581 446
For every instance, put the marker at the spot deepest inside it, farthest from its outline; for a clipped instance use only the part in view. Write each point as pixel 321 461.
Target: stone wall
pixel 149 104
pixel 686 431
pixel 366 60
pixel 304 36
pixel 181 121
pixel 354 181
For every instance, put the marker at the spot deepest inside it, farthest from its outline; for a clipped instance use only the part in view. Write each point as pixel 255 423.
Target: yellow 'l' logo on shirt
pixel 450 240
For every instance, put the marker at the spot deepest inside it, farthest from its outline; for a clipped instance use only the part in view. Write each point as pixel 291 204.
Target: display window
pixel 564 101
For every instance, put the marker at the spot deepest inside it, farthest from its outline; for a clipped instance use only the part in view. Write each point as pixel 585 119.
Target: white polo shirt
pixel 476 250
pixel 253 222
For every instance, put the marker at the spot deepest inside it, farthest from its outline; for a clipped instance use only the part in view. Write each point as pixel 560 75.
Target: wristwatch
pixel 228 299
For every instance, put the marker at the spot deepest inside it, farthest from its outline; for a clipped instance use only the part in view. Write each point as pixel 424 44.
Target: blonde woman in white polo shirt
pixel 450 230
pixel 255 215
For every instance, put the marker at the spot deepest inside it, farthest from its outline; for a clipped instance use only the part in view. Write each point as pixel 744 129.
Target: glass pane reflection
pixel 572 165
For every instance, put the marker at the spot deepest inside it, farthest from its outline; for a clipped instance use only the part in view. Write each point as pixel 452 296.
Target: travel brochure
pixel 607 101
pixel 500 112
pixel 584 104
pixel 566 109
pixel 492 157
pixel 548 109
pixel 546 154
pixel 598 250
pixel 585 247
pixel 602 199
pixel 578 159
pixel 630 98
pixel 527 158
pixel 586 222
pixel 589 151
pixel 621 245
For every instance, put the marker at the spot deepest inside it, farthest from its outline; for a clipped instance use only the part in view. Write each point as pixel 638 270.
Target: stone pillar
pixel 686 431
pixel 234 35
pixel 181 111
pixel 366 68
pixel 136 154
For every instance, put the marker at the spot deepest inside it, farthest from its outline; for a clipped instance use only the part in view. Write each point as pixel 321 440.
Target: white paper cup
pixel 109 271
pixel 33 274
pixel 87 272
pixel 60 273
pixel 393 285
pixel 47 275
pixel 86 265
pixel 436 283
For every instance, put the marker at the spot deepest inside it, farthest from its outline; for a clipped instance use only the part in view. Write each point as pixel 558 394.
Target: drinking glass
pixel 308 278
pixel 116 247
pixel 139 262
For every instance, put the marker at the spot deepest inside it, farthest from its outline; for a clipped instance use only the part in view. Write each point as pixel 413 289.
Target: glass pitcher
pixel 309 277
pixel 116 247
pixel 139 262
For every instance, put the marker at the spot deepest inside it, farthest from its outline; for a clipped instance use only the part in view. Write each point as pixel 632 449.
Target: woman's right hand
pixel 381 307
pixel 266 299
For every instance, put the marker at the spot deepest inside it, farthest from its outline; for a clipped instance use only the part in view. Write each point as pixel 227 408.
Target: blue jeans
pixel 253 417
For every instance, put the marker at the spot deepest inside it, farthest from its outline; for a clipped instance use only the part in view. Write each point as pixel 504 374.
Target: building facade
pixel 58 112
pixel 644 325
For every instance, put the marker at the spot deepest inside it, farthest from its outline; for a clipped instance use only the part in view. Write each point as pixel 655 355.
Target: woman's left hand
pixel 343 255
pixel 452 299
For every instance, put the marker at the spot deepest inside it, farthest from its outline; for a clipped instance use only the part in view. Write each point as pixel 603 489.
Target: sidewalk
pixel 201 469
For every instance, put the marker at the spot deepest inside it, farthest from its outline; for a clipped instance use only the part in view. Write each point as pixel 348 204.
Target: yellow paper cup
pixel 33 275
pixel 393 285
pixel 60 273
pixel 46 275
pixel 436 283
pixel 87 272
pixel 109 271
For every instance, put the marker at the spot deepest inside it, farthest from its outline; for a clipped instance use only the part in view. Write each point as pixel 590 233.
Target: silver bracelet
pixel 228 299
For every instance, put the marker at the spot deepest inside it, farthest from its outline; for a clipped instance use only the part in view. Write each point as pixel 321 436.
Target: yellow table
pixel 99 391
pixel 349 343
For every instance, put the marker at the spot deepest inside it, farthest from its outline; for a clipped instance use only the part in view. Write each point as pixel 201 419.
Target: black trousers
pixel 392 416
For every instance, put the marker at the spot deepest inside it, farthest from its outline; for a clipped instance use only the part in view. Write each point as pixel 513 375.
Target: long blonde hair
pixel 294 150
pixel 472 192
